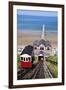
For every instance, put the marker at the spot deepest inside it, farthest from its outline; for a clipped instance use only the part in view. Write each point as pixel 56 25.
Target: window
pixel 24 59
pixel 41 48
pixel 21 58
pixel 29 58
pixel 48 48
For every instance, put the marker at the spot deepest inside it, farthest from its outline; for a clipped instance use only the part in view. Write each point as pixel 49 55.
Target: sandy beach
pixel 26 38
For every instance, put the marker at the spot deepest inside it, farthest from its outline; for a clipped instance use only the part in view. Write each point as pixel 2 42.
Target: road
pixel 37 72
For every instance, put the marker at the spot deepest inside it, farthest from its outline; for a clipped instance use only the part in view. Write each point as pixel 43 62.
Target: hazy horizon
pixel 26 38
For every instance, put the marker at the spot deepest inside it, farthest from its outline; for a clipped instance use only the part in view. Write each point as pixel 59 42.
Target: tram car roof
pixel 27 50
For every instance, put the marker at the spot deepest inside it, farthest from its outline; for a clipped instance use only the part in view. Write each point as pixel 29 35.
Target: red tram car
pixel 26 57
pixel 26 61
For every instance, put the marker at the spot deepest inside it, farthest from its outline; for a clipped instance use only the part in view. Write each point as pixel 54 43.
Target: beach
pixel 28 37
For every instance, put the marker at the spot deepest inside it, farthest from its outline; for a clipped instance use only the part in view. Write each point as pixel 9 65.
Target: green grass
pixel 18 61
pixel 52 63
pixel 52 59
pixel 18 58
pixel 53 69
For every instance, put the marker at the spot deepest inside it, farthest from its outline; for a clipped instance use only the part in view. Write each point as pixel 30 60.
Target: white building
pixel 42 45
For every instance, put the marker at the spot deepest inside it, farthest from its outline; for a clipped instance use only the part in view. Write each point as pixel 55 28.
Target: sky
pixel 34 20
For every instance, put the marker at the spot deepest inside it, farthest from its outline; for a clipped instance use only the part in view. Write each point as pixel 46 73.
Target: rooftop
pixel 27 50
pixel 45 43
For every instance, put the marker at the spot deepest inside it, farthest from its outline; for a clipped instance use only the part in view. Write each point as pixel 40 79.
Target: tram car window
pixel 21 58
